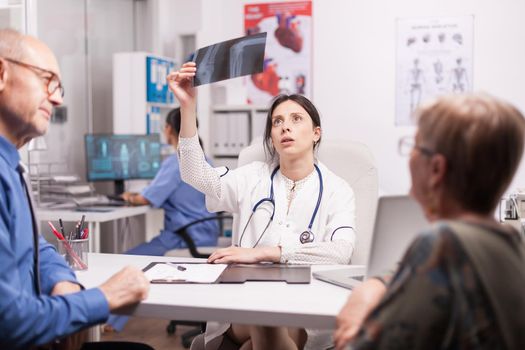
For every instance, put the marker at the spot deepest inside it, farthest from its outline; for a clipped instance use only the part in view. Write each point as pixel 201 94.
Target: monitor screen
pixel 122 157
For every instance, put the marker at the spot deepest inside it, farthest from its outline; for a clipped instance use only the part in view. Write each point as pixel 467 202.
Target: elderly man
pixel 40 299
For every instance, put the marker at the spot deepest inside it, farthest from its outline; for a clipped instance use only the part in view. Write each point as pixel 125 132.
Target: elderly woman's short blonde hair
pixel 481 138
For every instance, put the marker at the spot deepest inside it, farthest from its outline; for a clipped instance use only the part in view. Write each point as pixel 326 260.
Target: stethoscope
pixel 306 236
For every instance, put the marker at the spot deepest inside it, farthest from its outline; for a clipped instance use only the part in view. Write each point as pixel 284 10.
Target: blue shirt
pixel 182 204
pixel 25 317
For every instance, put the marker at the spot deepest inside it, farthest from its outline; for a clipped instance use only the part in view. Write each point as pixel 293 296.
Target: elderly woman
pixel 460 285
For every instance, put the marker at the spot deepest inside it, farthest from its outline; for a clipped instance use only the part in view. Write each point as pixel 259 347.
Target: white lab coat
pixel 242 188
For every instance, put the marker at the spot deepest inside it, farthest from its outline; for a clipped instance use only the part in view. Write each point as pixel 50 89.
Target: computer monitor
pixel 122 157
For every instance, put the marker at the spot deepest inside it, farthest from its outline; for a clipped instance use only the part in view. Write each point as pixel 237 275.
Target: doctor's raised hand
pixel 288 209
pixel 180 82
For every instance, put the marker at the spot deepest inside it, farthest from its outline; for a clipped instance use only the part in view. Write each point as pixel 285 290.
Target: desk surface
pixel 73 215
pixel 313 305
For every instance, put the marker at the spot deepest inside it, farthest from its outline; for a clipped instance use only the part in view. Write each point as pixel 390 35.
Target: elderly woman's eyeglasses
pixel 408 143
pixel 53 82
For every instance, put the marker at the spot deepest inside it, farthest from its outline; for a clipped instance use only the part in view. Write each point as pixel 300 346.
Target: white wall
pixel 354 65
pixel 176 18
pixel 367 49
pixel 61 25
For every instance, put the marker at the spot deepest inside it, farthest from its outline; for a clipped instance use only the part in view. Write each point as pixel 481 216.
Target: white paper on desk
pixel 194 273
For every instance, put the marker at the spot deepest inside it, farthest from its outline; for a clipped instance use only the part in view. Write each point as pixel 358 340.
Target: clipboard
pixel 241 273
pixel 161 272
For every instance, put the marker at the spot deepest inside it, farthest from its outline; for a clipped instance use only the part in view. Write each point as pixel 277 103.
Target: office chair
pixel 201 252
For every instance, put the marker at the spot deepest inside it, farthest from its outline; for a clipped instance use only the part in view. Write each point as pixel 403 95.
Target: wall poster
pixel 434 57
pixel 288 55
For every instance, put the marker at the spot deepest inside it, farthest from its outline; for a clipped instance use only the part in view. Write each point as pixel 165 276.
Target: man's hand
pixel 245 255
pixel 65 287
pixel 128 286
pixel 361 302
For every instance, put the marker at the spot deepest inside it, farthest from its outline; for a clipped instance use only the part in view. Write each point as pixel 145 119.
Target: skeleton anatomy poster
pixel 434 57
pixel 287 61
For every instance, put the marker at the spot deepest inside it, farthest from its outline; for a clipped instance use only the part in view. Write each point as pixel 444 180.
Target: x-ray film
pixel 230 59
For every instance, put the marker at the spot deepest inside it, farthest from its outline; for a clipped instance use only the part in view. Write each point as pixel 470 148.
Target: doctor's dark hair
pixel 173 119
pixel 301 101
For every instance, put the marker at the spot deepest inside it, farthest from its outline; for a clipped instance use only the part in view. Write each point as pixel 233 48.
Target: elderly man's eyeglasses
pixel 53 82
pixel 408 143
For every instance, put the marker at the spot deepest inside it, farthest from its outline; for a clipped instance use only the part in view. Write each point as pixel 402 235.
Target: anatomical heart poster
pixel 288 55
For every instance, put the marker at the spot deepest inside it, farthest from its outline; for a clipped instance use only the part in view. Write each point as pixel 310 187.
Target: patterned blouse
pixel 435 300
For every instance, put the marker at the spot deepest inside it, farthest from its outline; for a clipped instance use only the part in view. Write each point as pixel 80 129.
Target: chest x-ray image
pixel 230 59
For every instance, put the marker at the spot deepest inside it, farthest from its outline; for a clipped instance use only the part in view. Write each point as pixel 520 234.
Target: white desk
pixel 93 219
pixel 313 305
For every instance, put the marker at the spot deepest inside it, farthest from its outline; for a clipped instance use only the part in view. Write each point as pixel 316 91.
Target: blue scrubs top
pixel 182 204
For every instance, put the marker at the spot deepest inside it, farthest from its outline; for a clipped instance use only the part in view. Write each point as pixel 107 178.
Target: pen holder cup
pixel 75 252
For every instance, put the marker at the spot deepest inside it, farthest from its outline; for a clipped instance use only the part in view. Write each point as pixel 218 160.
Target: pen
pixel 81 227
pixel 178 267
pixel 61 227
pixel 75 231
pixel 167 280
pixel 55 232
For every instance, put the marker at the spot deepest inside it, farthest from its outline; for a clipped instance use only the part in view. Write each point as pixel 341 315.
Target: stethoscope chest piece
pixel 307 237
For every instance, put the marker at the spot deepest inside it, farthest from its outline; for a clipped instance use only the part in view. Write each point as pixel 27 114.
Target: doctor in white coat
pixel 290 210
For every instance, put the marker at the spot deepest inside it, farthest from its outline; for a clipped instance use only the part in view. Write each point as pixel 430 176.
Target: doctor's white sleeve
pixel 221 186
pixel 328 253
pixel 337 245
pixel 195 170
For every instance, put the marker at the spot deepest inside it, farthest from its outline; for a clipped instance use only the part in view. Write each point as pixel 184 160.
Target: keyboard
pixel 100 201
pixel 114 203
pixel 95 209
pixel 90 200
pixel 113 197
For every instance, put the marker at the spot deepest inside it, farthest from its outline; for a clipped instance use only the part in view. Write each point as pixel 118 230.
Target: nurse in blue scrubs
pixel 182 203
